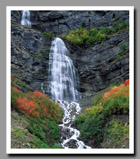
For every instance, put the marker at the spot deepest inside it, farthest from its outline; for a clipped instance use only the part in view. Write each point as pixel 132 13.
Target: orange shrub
pixel 35 114
pixel 45 111
pixel 38 94
pixel 123 90
pixel 26 105
pixel 16 89
pixel 38 104
pixel 126 83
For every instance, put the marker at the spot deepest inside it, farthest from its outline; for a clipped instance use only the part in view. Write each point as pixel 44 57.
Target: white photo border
pixel 10 150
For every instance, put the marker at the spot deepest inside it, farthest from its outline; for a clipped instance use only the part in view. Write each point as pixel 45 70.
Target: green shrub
pixel 116 132
pixel 93 32
pixel 39 143
pixel 47 131
pixel 22 84
pixel 19 132
pixel 120 20
pixel 123 48
pixel 82 36
pixel 57 147
pixel 92 122
pixel 36 129
pixel 121 26
pixel 119 105
pixel 121 55
pixel 42 51
pixel 103 30
pixel 49 34
pixel 14 95
pixel 110 31
pixel 54 130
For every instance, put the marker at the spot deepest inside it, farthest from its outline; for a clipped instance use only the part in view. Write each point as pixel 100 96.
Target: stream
pixel 69 135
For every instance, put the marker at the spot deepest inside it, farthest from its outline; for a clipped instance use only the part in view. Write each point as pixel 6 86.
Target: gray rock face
pixel 99 65
pixel 16 17
pixel 28 63
pixel 61 21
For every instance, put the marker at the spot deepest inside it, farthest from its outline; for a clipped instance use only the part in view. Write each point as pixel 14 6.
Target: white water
pixel 62 73
pixel 26 18
pixel 63 82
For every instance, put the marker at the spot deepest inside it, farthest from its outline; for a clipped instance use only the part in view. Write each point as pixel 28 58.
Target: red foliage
pixel 38 94
pixel 37 104
pixel 126 83
pixel 35 114
pixel 26 105
pixel 113 90
pixel 116 91
pixel 16 89
pixel 45 111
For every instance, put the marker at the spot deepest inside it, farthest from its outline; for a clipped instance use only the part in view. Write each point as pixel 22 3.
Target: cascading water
pixel 63 82
pixel 26 18
pixel 62 73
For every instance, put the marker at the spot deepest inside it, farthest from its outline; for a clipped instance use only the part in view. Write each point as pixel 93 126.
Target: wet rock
pixel 71 144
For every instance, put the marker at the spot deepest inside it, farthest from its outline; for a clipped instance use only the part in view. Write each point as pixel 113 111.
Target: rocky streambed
pixel 69 135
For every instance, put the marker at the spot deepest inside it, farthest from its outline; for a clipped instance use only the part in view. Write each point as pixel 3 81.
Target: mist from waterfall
pixel 26 18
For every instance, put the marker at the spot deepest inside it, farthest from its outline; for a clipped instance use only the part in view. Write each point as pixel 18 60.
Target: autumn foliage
pixel 39 94
pixel 26 105
pixel 122 89
pixel 94 121
pixel 36 104
pixel 16 89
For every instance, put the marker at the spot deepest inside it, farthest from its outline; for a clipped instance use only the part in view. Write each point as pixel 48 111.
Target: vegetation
pixel 121 26
pixel 42 115
pixel 117 133
pixel 21 84
pixel 123 48
pixel 82 36
pixel 122 53
pixel 92 123
pixel 18 83
pixel 42 51
pixel 49 34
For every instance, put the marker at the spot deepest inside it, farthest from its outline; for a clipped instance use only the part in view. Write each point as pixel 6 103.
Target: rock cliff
pixel 99 65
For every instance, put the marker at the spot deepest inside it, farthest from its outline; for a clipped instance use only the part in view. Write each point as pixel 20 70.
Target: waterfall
pixel 63 82
pixel 62 73
pixel 26 18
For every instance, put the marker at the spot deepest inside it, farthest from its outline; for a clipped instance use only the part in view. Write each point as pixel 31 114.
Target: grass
pixel 20 132
pixel 92 122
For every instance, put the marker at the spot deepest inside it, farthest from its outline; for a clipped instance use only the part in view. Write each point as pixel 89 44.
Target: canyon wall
pixel 99 65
